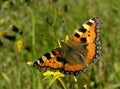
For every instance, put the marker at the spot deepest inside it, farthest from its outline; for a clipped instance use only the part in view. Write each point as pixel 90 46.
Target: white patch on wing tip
pixel 92 21
pixel 38 61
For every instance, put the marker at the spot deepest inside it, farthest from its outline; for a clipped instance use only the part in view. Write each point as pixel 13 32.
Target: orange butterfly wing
pixel 87 39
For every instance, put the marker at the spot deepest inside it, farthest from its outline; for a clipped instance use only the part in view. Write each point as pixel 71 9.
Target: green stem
pixel 33 32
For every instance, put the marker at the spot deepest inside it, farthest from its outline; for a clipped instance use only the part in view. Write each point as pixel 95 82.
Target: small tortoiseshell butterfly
pixel 72 58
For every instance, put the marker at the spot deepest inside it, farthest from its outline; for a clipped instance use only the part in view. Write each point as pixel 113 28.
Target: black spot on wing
pixel 89 23
pixel 77 35
pixel 88 34
pixel 47 55
pixel 82 29
pixel 93 19
pixel 35 64
pixel 83 40
pixel 53 52
pixel 59 59
pixel 40 60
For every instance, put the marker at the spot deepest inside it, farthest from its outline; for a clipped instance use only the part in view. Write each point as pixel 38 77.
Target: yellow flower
pixel 64 40
pixel 20 44
pixel 56 75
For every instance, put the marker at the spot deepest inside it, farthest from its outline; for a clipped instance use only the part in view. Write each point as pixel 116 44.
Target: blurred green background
pixel 41 23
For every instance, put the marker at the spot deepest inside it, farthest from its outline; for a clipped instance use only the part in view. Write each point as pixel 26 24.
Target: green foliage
pixel 43 23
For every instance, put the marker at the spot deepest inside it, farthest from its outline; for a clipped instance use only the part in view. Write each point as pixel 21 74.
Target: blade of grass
pixel 34 52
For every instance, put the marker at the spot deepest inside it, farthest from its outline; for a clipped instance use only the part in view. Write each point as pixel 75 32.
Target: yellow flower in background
pixel 20 44
pixel 8 17
pixel 2 21
pixel 5 4
pixel 3 33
